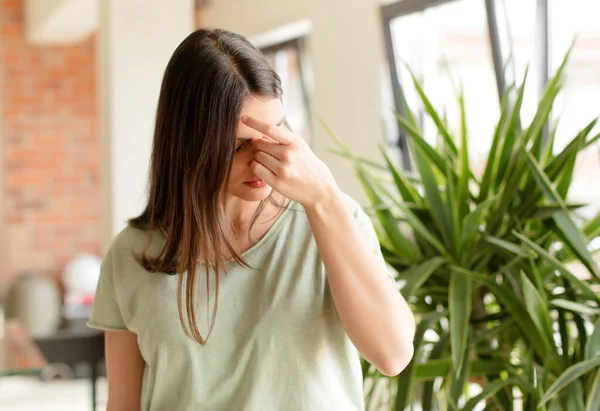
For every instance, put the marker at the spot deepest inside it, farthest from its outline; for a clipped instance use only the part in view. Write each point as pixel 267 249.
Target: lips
pixel 255 183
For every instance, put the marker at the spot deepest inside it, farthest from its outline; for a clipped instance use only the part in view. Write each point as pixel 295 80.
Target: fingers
pixel 268 161
pixel 280 152
pixel 278 134
pixel 263 173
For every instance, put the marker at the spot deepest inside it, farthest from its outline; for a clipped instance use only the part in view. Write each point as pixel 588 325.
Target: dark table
pixel 75 343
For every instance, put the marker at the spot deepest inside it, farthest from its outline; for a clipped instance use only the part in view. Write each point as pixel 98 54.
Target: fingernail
pixel 244 119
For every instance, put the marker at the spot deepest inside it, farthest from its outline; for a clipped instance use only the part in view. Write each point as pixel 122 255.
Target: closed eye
pixel 241 145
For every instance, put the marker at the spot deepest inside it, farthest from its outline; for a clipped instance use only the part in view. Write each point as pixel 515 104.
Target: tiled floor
pixel 29 394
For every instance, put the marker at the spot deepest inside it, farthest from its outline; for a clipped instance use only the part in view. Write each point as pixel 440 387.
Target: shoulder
pixel 355 208
pixel 352 204
pixel 131 242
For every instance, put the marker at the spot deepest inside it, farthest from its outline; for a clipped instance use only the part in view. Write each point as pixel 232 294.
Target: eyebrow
pixel 250 138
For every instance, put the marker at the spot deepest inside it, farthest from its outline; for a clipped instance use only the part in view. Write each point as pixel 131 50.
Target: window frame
pixel 300 45
pixel 503 67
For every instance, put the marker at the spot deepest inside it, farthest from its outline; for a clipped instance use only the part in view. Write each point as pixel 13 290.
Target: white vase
pixel 35 301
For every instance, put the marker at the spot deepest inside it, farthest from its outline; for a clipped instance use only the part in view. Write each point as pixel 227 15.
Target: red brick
pixel 51 149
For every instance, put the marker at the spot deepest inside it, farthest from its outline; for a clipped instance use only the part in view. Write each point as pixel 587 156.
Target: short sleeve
pixel 365 226
pixel 106 314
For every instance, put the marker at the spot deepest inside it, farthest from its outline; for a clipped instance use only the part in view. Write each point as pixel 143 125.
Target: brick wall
pixel 51 150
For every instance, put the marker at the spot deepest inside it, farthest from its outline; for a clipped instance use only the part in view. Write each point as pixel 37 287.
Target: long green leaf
pixel 565 178
pixel 431 370
pixel 591 141
pixel 593 401
pixel 452 404
pixel 407 191
pixel 511 131
pixel 491 389
pixel 365 366
pixel 574 397
pixel 465 171
pixel 507 297
pixel 402 246
pixel 417 224
pixel 416 276
pixel 538 310
pixel 591 229
pixel 408 112
pixel 400 243
pixel 359 159
pixel 438 209
pixel 549 149
pixel 461 290
pixel 592 348
pixel 470 227
pixel 572 278
pixel 405 380
pixel 574 306
pixel 562 163
pixel 427 396
pixel 534 131
pixel 433 114
pixel 571 374
pixel 576 241
pixel 540 119
pixel 565 342
pixel 333 135
pixel 536 278
pixel 582 336
pixel 553 168
pixel 547 211
pixel 509 188
pixel 494 154
pixel 508 246
pixel 417 139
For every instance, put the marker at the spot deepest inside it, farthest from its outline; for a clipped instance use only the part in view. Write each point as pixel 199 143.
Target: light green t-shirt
pixel 277 345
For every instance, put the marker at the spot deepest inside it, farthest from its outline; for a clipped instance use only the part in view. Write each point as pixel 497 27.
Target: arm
pixel 372 311
pixel 125 369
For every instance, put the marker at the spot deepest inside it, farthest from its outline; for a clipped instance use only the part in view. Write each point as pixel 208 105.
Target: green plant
pixel 487 265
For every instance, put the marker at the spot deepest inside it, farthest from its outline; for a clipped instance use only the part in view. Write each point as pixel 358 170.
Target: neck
pixel 240 212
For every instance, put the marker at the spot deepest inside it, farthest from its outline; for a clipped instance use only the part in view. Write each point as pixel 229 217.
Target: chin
pixel 252 194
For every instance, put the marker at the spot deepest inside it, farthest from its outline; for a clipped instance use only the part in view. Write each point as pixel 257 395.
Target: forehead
pixel 269 110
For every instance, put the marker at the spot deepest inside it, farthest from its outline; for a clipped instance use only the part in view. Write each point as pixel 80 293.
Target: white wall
pixel 60 21
pixel 136 39
pixel 347 55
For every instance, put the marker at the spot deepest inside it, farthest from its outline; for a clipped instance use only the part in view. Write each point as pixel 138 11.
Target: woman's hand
pixel 286 163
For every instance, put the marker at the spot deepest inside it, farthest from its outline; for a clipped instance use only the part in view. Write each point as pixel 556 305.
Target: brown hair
pixel 207 80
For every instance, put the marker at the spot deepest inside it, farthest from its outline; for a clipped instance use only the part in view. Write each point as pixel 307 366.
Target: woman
pixel 250 281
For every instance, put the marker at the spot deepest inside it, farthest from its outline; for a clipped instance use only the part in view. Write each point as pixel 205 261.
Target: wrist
pixel 329 201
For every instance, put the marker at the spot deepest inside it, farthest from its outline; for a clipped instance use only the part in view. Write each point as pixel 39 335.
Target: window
pixel 287 60
pixel 486 46
pixel 580 101
pixel 446 47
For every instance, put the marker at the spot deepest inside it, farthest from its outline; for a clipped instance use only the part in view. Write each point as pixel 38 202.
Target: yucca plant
pixel 504 322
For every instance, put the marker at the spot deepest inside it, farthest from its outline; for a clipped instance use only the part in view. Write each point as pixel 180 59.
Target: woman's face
pixel 243 184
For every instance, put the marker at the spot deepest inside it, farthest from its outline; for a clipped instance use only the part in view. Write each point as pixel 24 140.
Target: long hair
pixel 207 80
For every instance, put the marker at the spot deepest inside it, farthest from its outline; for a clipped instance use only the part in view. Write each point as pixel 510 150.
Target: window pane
pixel 286 63
pixel 518 19
pixel 580 100
pixel 446 46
